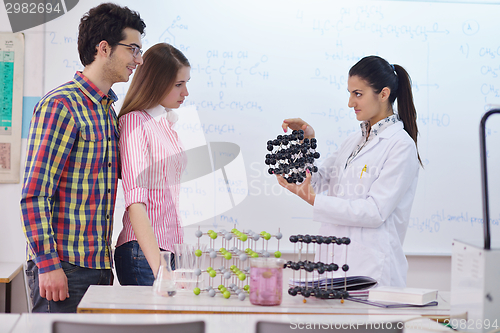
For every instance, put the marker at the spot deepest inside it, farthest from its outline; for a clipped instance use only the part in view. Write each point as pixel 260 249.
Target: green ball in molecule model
pixel 196 291
pixel 277 254
pixel 255 255
pixel 213 235
pixel 198 253
pixel 212 273
pixel 220 286
pixel 242 276
pixel 243 237
pixel 227 255
pixel 267 236
pixel 246 287
pixel 226 294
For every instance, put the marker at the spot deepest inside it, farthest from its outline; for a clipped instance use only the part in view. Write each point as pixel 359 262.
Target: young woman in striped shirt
pixel 152 161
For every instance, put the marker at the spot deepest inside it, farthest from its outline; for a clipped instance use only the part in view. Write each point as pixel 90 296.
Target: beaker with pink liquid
pixel 266 281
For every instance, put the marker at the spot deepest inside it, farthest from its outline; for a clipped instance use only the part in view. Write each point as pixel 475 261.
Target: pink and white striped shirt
pixel 153 160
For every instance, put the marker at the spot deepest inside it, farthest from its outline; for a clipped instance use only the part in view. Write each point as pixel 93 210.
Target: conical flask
pixel 164 284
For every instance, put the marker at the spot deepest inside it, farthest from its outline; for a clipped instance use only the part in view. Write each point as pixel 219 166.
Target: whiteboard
pixel 255 63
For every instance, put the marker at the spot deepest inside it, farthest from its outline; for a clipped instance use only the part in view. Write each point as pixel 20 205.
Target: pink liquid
pixel 266 285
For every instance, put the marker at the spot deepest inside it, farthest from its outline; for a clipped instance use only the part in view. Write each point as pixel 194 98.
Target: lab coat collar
pixel 387 133
pixel 391 130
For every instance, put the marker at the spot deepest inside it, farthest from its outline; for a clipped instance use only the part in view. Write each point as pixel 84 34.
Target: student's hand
pixel 53 285
pixel 298 124
pixel 304 190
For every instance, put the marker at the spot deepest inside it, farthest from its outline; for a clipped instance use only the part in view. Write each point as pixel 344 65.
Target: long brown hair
pixel 154 79
pixel 378 73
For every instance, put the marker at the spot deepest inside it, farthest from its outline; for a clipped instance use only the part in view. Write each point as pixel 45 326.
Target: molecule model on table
pixel 324 289
pixel 235 248
pixel 291 155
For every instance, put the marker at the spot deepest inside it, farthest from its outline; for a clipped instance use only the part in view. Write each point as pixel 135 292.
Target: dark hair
pixel 378 73
pixel 154 79
pixel 105 22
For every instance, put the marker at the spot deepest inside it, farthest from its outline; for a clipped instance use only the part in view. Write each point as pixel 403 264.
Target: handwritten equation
pixel 434 222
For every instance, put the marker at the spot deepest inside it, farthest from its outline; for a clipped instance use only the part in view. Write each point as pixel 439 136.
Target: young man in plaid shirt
pixel 72 165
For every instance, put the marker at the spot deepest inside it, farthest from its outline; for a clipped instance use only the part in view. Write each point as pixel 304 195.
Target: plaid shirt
pixel 71 177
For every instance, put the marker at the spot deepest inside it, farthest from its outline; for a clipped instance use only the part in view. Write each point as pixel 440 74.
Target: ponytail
pixel 406 109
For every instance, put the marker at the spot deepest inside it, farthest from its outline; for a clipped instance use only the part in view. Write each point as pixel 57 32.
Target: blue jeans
pixel 132 267
pixel 79 280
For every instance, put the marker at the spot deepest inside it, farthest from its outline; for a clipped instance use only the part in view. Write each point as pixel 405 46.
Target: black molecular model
pixel 319 288
pixel 291 155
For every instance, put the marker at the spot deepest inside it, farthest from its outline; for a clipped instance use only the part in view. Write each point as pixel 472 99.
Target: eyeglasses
pixel 136 51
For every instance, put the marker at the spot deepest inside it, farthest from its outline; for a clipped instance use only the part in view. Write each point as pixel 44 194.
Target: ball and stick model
pixel 318 287
pixel 226 260
pixel 291 155
pixel 228 264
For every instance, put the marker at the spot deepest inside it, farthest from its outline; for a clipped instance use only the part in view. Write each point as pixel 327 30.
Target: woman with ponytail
pixel 370 182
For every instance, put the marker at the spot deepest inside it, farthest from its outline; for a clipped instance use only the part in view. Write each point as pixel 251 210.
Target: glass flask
pixel 188 266
pixel 164 284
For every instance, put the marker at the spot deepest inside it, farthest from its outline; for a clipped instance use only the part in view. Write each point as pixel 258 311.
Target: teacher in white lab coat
pixel 370 182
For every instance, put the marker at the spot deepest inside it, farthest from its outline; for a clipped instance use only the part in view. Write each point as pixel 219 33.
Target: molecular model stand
pixel 228 263
pixel 313 277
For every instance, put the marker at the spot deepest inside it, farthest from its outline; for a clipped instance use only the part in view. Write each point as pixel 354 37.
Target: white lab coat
pixel 373 210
